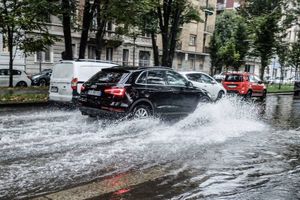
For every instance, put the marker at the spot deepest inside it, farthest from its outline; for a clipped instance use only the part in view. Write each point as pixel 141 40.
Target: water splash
pixel 52 149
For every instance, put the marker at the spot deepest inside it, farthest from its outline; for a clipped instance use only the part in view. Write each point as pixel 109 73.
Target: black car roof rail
pixel 95 60
pixel 156 67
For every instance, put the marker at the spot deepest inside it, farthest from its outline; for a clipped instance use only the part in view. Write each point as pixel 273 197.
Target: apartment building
pixel 223 5
pixel 192 51
pixel 19 59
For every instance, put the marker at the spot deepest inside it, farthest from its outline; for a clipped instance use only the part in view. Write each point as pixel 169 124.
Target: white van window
pixel 63 70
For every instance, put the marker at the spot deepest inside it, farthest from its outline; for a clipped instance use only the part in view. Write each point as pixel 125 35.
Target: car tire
pixel 220 95
pixel 263 97
pixel 42 82
pixel 204 99
pixel 248 95
pixel 21 84
pixel 141 112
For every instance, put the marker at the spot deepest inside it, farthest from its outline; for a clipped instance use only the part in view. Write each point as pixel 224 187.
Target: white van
pixel 68 76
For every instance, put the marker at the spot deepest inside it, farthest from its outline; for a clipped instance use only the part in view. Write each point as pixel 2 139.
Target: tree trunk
pixel 164 19
pixel 173 38
pixel 11 60
pixel 68 54
pixel 88 13
pixel 264 64
pixel 155 50
pixel 101 26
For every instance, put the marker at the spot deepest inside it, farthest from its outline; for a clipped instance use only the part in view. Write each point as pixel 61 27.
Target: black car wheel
pixel 42 82
pixel 204 99
pixel 264 95
pixel 248 95
pixel 141 112
pixel 21 84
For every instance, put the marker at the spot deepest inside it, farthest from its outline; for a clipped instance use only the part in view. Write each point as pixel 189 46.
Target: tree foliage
pixel 24 26
pixel 229 44
pixel 263 18
pixel 294 57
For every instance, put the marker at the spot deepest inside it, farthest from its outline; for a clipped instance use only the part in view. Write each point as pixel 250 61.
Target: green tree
pixel 282 51
pixel 24 26
pixel 294 57
pixel 87 18
pixel 263 18
pixel 229 44
pixel 172 14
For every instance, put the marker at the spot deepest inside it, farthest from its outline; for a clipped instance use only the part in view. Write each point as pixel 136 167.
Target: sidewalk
pixel 23 96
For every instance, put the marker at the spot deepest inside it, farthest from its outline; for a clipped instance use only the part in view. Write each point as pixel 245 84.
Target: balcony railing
pixel 209 28
pixel 221 6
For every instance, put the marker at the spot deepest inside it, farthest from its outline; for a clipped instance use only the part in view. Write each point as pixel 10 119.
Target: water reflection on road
pixel 228 150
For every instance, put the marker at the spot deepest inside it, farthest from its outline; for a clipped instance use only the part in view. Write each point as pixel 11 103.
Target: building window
pixel 91 52
pixel 274 74
pixel 289 35
pixel 109 26
pixel 109 54
pixel 193 40
pixel 144 58
pixel 44 56
pixel 146 35
pixel 4 44
pixel 74 50
pixel 125 57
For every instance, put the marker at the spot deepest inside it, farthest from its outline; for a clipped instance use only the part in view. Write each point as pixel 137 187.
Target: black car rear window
pixel 109 76
pixel 234 78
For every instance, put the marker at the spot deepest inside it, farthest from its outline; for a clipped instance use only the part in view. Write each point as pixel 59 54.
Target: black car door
pixel 184 96
pixel 156 90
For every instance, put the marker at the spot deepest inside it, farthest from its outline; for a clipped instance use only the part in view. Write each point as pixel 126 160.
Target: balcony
pixel 221 6
pixel 209 29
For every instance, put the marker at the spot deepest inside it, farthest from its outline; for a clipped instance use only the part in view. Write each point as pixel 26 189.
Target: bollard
pixel 297 89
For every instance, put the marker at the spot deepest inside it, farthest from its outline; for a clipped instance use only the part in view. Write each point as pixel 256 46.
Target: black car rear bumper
pixel 95 112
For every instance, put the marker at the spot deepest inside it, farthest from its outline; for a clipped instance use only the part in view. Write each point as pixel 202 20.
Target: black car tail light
pixel 118 92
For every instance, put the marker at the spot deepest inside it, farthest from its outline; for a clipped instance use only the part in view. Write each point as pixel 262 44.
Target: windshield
pixel 108 77
pixel 234 78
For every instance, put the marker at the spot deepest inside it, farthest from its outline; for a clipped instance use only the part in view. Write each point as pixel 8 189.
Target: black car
pixel 42 79
pixel 139 92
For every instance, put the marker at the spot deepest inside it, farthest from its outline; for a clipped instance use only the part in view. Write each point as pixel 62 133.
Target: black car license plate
pixel 94 92
pixel 54 89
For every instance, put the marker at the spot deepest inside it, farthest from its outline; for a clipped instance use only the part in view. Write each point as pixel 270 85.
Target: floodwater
pixel 227 150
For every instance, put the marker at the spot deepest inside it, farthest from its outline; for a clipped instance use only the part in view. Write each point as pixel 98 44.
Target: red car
pixel 245 84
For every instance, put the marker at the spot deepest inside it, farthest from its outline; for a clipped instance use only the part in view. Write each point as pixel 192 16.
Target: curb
pixel 280 93
pixel 24 104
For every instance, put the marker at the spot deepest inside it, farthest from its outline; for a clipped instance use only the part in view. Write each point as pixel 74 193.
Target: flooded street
pixel 227 150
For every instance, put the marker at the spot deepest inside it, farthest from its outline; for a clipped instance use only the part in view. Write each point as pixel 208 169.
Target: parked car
pixel 278 80
pixel 220 77
pixel 245 84
pixel 68 76
pixel 206 82
pixel 139 92
pixel 42 79
pixel 20 78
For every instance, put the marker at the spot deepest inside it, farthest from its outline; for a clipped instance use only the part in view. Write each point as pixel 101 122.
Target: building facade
pixel 192 52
